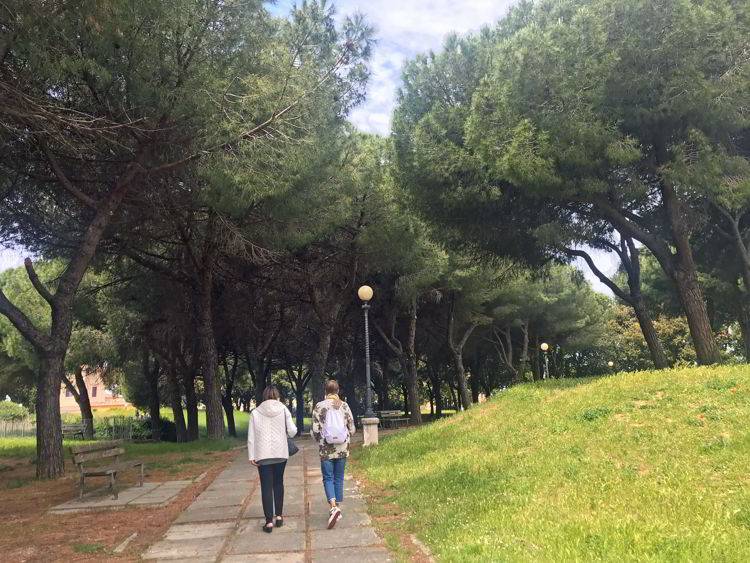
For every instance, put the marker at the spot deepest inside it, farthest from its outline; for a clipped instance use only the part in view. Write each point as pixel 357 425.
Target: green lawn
pixel 26 447
pixel 641 467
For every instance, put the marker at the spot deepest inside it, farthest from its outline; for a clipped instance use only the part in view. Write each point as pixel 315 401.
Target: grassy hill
pixel 651 466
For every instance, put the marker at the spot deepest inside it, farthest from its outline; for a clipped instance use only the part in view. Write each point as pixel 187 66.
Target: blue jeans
pixel 333 478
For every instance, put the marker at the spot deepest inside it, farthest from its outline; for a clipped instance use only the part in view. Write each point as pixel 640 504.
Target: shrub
pixel 142 430
pixel 12 411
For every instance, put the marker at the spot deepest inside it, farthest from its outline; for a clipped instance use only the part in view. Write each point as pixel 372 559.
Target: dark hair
pixel 332 387
pixel 271 392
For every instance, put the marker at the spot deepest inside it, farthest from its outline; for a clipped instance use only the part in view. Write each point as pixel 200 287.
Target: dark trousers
pixel 272 488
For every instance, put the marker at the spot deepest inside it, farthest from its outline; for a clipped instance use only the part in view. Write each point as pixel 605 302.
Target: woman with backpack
pixel 268 450
pixel 332 427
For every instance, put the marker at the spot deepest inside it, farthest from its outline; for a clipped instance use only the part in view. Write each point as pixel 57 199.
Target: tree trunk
pixel 683 272
pixel 410 365
pixel 744 321
pixel 50 462
pixel 649 333
pixel 300 398
pixel 438 399
pixel 84 404
pixel 226 402
pixel 154 407
pixel 176 401
pixel 383 401
pixel 524 361
pixel 691 297
pixel 191 406
pixel 463 389
pixel 208 355
pixel 474 381
pixel 151 374
pixel 319 362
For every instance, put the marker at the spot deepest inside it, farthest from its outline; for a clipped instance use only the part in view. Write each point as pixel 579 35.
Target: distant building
pixel 99 394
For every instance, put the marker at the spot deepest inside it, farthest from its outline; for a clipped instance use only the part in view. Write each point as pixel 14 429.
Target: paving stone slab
pixel 291 524
pixel 360 555
pixel 208 514
pixel 199 530
pixel 181 549
pixel 255 508
pixel 187 560
pixel 296 557
pixel 344 537
pixel 257 541
pixel 347 520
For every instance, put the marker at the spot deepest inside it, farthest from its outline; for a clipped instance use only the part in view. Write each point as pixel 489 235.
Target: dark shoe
pixel 279 522
pixel 268 527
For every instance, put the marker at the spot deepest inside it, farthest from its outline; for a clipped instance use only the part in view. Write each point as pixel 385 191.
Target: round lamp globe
pixel 365 293
pixel 544 346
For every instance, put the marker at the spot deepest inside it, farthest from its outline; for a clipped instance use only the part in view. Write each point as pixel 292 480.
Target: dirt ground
pixel 28 533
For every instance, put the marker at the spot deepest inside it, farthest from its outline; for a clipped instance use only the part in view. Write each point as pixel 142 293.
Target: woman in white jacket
pixel 267 448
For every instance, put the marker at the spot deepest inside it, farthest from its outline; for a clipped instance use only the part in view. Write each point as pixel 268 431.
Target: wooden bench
pixel 73 430
pixel 102 451
pixel 392 419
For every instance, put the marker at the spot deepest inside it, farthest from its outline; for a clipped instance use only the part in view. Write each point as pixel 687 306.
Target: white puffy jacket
pixel 265 432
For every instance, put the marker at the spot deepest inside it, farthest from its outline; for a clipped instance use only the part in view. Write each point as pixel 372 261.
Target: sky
pixel 403 29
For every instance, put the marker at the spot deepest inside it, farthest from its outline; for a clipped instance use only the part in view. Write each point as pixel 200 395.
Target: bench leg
pixel 141 484
pixel 113 485
pixel 80 495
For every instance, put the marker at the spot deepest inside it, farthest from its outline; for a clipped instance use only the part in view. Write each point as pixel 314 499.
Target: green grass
pixel 26 447
pixel 640 467
pixel 88 548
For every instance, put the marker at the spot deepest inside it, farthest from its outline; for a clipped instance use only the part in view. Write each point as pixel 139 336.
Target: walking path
pixel 224 522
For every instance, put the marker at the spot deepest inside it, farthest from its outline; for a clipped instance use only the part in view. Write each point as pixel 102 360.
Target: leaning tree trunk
pixel 649 333
pixel 684 274
pixel 691 297
pixel 49 452
pixel 84 404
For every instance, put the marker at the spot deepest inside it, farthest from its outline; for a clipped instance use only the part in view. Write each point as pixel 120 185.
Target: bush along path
pixel 224 522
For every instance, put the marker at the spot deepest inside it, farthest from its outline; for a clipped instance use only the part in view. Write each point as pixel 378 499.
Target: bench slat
pixel 95 446
pixel 81 458
pixel 102 471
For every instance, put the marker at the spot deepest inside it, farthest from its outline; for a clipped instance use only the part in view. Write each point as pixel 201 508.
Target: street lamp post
pixel 369 419
pixel 544 346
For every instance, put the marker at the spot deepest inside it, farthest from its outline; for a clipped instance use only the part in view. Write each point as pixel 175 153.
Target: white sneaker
pixel 333 517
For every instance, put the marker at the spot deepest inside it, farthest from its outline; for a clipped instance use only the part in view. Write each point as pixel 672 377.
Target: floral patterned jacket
pixel 331 451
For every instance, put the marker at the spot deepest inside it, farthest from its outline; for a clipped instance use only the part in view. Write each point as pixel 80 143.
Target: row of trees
pixel 207 213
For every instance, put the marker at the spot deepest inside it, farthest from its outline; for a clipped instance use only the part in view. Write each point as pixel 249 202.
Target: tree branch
pixel 599 274
pixel 37 283
pixel 64 180
pixel 23 324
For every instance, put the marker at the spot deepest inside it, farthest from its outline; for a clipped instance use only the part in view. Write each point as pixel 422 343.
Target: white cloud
pixel 10 258
pixel 405 28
